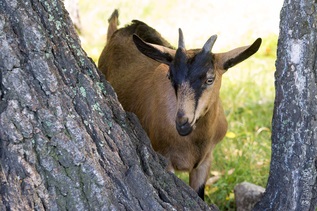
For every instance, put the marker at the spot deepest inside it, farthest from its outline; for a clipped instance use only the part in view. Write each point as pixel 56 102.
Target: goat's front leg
pixel 198 176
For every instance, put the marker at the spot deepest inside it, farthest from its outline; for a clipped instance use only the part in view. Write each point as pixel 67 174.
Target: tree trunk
pixel 292 182
pixel 66 143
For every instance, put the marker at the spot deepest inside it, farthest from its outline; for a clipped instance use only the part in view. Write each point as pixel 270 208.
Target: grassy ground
pixel 247 90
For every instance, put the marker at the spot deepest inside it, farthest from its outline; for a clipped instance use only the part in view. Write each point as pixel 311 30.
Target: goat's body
pixel 143 88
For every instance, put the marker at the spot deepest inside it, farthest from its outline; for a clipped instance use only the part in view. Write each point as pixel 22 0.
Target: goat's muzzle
pixel 183 127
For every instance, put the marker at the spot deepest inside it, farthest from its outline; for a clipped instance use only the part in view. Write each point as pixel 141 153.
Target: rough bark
pixel 292 182
pixel 65 141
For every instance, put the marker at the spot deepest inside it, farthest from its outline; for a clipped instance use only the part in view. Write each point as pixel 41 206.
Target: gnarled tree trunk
pixel 66 143
pixel 292 183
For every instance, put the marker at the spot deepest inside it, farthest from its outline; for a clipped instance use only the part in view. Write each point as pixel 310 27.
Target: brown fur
pixel 143 87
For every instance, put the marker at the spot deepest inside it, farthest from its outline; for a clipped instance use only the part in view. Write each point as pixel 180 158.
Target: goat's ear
pixel 224 61
pixel 156 52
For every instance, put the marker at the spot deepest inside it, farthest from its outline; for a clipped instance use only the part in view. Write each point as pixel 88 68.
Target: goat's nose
pixel 181 119
pixel 182 125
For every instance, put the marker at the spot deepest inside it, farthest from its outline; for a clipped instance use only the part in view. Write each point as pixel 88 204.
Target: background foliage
pixel 247 90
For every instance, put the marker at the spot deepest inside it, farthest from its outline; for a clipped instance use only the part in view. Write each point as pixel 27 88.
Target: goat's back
pixel 130 72
pixel 120 44
pixel 120 51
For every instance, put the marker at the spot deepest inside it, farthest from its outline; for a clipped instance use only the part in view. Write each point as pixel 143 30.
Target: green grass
pixel 247 93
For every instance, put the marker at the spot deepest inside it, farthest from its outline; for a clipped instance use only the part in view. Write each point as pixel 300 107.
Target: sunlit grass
pixel 247 90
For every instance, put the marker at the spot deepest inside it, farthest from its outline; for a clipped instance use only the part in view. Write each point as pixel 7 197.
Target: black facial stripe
pixel 175 89
pixel 198 93
pixel 193 69
pixel 200 64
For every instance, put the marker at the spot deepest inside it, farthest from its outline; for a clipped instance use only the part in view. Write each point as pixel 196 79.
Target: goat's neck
pixel 213 123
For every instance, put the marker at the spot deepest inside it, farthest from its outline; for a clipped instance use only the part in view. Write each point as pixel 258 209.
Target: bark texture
pixel 292 182
pixel 65 141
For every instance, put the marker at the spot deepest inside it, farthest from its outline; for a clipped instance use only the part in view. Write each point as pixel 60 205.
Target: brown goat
pixel 175 93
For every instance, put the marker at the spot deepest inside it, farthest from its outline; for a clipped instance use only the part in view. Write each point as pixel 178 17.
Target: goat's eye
pixel 168 75
pixel 209 81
